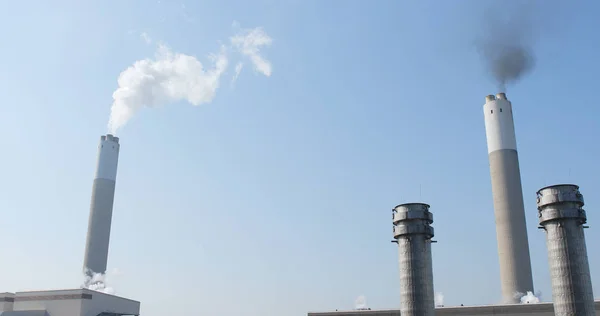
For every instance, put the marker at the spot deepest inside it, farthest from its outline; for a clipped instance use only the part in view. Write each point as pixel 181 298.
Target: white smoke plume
pixel 248 43
pixel 530 298
pixel 238 70
pixel 439 299
pixel 361 303
pixel 171 77
pixel 96 282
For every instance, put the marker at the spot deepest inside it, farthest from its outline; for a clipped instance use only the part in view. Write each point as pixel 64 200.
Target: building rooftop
pixel 73 302
pixel 545 308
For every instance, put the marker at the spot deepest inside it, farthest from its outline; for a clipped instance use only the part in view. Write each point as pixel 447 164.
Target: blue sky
pixel 275 198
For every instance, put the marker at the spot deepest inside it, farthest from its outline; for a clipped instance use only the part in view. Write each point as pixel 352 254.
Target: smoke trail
pixel 171 77
pixel 507 43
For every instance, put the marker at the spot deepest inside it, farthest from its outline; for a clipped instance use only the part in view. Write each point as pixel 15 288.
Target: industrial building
pixel 539 309
pixel 561 216
pixel 79 302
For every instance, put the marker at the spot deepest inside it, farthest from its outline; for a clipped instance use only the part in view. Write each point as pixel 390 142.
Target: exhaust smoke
pixel 507 43
pixel 171 77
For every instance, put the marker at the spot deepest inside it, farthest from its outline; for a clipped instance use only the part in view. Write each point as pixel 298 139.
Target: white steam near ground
pixel 530 298
pixel 439 299
pixel 361 303
pixel 170 76
pixel 98 281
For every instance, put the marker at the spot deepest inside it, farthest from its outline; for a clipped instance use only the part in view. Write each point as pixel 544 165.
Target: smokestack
pixel 413 233
pixel 103 193
pixel 511 227
pixel 562 217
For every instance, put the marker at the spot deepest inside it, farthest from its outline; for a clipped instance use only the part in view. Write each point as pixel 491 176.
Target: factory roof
pixel 62 294
pixel 25 313
pixel 73 302
pixel 458 310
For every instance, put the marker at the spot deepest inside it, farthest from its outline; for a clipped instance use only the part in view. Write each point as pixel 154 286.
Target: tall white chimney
pixel 103 193
pixel 511 227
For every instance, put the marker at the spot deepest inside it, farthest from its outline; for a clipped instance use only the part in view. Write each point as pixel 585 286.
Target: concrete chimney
pixel 511 227
pixel 103 192
pixel 563 218
pixel 413 233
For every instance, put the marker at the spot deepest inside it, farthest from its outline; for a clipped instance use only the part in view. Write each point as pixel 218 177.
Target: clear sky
pixel 275 198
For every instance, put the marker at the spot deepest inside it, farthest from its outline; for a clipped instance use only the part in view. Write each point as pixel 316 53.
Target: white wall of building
pixel 79 302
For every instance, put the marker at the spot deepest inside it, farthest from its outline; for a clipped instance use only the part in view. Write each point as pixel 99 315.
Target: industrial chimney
pixel 511 228
pixel 413 233
pixel 563 218
pixel 103 192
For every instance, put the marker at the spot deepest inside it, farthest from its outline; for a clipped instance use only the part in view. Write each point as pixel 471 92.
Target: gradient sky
pixel 275 199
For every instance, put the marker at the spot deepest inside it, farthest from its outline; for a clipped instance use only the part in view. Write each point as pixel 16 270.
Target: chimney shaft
pixel 562 217
pixel 413 233
pixel 511 227
pixel 103 192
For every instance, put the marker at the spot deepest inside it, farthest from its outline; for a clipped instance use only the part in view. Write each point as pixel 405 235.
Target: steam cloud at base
pixel 361 303
pixel 96 282
pixel 439 299
pixel 530 298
